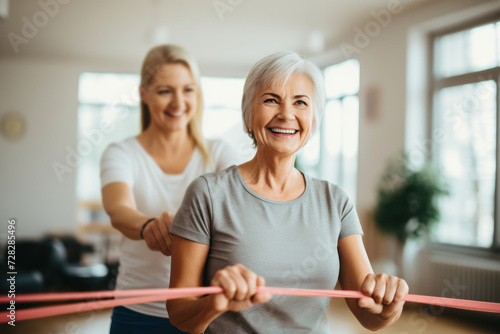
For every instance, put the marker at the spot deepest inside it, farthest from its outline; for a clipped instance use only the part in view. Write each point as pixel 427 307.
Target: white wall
pixel 46 95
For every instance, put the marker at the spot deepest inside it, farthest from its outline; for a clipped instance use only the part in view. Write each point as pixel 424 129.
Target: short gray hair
pixel 271 70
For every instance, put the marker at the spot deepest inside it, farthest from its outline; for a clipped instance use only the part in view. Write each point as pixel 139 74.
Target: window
pixel 465 117
pixel 332 154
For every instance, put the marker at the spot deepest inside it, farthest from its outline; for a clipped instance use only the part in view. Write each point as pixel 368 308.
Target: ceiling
pixel 224 32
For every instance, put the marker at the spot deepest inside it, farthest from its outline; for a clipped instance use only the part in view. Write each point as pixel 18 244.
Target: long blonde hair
pixel 168 54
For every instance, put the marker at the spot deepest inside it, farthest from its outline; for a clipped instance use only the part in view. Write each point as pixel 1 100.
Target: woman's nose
pixel 286 112
pixel 177 102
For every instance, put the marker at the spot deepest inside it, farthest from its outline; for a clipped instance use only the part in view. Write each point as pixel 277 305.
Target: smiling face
pixel 282 115
pixel 171 97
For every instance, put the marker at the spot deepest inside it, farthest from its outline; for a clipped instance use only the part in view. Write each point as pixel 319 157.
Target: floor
pixel 414 320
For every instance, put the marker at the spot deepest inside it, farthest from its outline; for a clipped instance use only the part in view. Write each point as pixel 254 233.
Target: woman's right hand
pixel 157 233
pixel 240 289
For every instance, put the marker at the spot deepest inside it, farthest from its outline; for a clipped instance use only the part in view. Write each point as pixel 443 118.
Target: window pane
pixel 350 127
pixel 498 42
pixel 342 79
pixel 482 47
pixel 222 102
pixel 99 126
pixel 222 92
pixel 466 154
pixel 333 128
pixel 222 116
pixel 340 144
pixel 467 51
pixel 108 88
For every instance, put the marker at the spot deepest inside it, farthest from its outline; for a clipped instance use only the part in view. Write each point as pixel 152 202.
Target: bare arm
pixel 193 315
pixel 383 304
pixel 119 203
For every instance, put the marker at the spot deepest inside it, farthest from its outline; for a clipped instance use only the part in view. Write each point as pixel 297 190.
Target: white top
pixel 154 192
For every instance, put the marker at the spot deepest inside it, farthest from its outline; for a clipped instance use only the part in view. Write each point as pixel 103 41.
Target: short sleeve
pixel 193 219
pixel 348 216
pixel 116 166
pixel 224 155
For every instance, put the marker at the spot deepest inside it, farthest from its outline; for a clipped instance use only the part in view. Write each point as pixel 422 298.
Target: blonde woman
pixel 144 179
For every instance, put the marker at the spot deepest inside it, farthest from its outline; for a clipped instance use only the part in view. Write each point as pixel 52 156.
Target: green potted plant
pixel 406 206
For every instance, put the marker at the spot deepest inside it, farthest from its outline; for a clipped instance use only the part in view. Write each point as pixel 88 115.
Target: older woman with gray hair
pixel 266 219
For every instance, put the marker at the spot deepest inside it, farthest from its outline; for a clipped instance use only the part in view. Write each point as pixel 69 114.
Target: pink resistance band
pixel 152 295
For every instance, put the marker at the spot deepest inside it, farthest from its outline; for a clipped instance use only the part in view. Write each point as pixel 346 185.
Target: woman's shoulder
pixel 128 144
pixel 122 150
pixel 220 177
pixel 324 186
pixel 211 182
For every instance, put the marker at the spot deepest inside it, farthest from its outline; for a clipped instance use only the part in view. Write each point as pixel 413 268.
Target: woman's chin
pixel 283 150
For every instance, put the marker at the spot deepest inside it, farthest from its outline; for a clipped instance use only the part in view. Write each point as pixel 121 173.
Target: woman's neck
pixel 160 143
pixel 273 177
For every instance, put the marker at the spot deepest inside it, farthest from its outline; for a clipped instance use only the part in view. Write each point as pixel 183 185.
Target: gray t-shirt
pixel 291 244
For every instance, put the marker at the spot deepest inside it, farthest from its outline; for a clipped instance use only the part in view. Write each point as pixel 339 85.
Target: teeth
pixel 176 114
pixel 290 132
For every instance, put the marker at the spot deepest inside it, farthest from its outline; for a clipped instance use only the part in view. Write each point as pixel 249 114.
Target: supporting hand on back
pixel 157 233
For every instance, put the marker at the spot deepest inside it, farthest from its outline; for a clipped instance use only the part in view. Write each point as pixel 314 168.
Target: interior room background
pixel 397 74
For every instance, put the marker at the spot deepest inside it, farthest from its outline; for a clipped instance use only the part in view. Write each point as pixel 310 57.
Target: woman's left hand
pixel 157 233
pixel 384 295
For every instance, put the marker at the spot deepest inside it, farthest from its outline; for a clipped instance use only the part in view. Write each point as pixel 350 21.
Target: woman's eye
pixel 189 90
pixel 163 91
pixel 301 102
pixel 270 101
